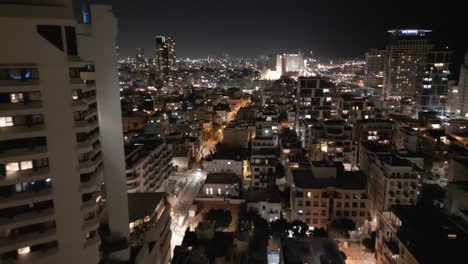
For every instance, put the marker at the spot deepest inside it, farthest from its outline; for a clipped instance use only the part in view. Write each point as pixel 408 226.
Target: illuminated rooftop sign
pixel 409 31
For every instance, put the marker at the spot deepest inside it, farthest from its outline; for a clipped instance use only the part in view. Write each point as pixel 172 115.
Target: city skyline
pixel 207 28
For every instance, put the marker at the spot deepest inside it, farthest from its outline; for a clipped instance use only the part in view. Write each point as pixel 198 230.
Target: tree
pixel 320 232
pixel 221 217
pixel 299 228
pixel 279 228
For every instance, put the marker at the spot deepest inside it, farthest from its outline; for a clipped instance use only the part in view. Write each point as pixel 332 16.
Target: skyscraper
pixel 165 57
pixel 405 54
pixel 140 62
pixel 434 86
pixel 60 126
pixel 463 87
pixel 374 69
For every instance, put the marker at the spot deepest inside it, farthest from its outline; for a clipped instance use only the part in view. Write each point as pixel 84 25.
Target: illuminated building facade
pixel 140 62
pixel 314 99
pixel 405 53
pixel 165 57
pixel 374 69
pixel 433 93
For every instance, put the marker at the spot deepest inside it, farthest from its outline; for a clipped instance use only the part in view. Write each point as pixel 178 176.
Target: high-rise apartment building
pixel 374 69
pixel 165 57
pixel 433 92
pixel 463 87
pixel 405 53
pixel 314 99
pixel 60 126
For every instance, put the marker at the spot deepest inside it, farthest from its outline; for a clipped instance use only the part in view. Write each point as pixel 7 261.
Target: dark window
pixel 53 34
pixel 72 48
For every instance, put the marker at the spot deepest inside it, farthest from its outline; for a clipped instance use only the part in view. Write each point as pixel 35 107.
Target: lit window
pixel 25 165
pixel 309 194
pixel 24 250
pixel 16 97
pixel 6 121
pixel 219 191
pixel 12 166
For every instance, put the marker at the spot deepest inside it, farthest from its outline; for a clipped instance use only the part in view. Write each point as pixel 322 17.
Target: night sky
pixel 254 27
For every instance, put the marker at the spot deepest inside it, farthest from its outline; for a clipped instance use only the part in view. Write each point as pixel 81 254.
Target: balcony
pixel 13 109
pixel 89 165
pixel 80 105
pixel 86 126
pixel 27 197
pixel 89 206
pixel 30 217
pixel 90 113
pixel 91 224
pixel 29 175
pixel 92 184
pixel 18 132
pixel 30 152
pixel 87 145
pixel 43 255
pixel 27 240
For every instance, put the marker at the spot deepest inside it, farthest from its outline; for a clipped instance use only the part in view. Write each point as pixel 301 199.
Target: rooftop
pixel 425 232
pixel 346 180
pixel 141 205
pixel 222 178
pixel 311 250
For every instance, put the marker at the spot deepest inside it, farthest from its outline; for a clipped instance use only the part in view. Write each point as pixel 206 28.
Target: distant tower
pixel 165 57
pixel 405 53
pixel 463 87
pixel 140 62
pixel 374 69
pixel 433 94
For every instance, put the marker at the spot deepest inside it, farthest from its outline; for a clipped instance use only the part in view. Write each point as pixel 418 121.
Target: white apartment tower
pixel 60 133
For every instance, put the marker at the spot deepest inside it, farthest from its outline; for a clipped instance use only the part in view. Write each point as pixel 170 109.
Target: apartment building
pixel 330 140
pixel 392 181
pixel 149 165
pixel 324 192
pixel 150 228
pixel 412 235
pixel 379 130
pixel 59 126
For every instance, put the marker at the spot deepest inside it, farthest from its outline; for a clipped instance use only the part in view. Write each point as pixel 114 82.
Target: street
pixel 181 204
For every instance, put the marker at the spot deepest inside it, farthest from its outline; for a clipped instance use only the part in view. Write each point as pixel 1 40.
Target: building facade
pixel 57 133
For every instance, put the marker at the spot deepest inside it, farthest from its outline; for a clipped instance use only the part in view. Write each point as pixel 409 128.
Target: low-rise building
pixel 324 192
pixel 133 121
pixel 266 203
pixel 221 185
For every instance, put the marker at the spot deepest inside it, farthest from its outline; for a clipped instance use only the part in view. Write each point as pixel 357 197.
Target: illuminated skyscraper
pixel 165 57
pixel 374 69
pixel 406 52
pixel 434 85
pixel 140 62
pixel 463 87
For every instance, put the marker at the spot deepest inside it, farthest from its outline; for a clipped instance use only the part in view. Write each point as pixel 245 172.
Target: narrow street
pixel 181 204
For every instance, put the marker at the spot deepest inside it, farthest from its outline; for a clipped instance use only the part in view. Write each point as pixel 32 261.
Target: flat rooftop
pixel 141 205
pixel 425 231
